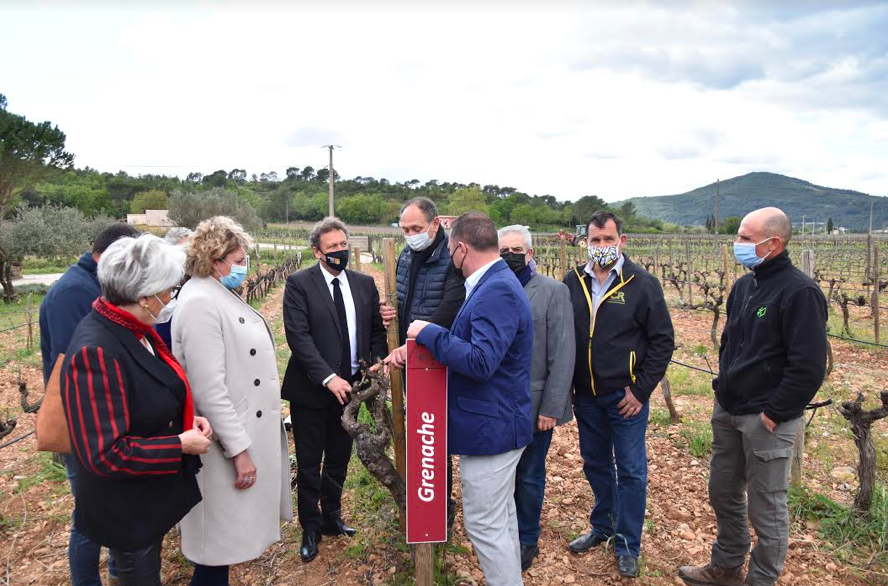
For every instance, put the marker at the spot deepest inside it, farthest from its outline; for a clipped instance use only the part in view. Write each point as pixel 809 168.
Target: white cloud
pixel 617 100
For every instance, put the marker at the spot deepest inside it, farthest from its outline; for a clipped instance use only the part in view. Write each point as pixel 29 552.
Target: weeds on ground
pixel 857 538
pixel 698 437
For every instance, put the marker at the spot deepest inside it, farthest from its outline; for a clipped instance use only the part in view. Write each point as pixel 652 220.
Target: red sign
pixel 426 446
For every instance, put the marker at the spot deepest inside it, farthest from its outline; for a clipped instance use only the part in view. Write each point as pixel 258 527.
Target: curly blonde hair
pixel 213 240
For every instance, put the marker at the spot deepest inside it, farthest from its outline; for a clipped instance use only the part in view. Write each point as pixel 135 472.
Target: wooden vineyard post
pixel 563 258
pixel 391 296
pixel 689 272
pixel 875 299
pixel 725 269
pixel 31 324
pixel 356 252
pixel 798 449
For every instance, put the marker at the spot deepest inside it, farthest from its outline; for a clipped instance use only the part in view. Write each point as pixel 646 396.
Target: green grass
pixel 660 418
pixel 48 471
pixel 685 381
pixel 851 536
pixel 698 437
pixel 45 266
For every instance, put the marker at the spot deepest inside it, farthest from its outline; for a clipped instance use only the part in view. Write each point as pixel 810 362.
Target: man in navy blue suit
pixel 488 351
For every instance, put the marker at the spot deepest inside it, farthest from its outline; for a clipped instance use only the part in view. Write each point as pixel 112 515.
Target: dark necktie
pixel 345 366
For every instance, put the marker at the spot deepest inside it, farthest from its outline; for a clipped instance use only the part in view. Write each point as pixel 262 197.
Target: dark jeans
pixel 83 554
pixel 530 487
pixel 209 575
pixel 138 568
pixel 606 439
pixel 320 438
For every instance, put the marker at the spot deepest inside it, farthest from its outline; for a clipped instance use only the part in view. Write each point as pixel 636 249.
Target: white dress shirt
pixel 350 316
pixel 473 279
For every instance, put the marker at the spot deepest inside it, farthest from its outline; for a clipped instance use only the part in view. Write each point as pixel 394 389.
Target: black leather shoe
pixel 584 543
pixel 528 552
pixel 627 566
pixel 309 549
pixel 337 527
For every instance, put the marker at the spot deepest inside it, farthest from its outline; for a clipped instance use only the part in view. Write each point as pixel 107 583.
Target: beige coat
pixel 228 353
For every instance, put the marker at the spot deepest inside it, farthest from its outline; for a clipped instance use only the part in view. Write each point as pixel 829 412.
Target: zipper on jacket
pixel 632 366
pixel 593 314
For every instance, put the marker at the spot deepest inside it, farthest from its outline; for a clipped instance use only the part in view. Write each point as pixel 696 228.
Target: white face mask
pixel 166 314
pixel 419 242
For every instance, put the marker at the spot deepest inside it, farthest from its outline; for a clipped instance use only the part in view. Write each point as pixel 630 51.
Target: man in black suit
pixel 331 316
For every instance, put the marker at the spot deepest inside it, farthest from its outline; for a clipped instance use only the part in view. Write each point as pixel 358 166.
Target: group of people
pixel 188 430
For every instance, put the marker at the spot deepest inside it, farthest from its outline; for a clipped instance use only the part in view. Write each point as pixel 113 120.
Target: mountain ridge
pixel 740 195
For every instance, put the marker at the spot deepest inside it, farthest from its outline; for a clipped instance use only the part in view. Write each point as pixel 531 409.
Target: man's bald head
pixel 769 224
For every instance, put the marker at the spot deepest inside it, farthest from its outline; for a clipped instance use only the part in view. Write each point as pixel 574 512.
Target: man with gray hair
pixel 551 372
pixel 178 236
pixel 772 361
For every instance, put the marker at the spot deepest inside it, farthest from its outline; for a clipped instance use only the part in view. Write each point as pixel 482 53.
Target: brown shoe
pixel 711 575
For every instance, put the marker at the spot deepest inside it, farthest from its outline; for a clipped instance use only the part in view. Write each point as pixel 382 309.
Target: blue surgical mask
pixel 419 242
pixel 237 275
pixel 745 254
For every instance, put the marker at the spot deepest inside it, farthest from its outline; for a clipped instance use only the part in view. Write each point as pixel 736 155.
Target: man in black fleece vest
pixel 624 341
pixel 772 361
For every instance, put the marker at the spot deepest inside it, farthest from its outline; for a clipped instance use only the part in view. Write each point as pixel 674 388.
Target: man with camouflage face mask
pixel 624 341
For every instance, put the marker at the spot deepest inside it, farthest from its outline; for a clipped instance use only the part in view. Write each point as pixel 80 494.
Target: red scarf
pixel 129 321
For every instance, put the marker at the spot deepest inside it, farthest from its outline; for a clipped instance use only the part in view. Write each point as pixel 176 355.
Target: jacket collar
pixel 495 268
pixel 773 266
pixel 321 283
pixel 89 264
pixel 152 364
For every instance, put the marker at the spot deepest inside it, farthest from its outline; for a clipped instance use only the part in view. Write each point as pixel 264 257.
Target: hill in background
pixel 743 194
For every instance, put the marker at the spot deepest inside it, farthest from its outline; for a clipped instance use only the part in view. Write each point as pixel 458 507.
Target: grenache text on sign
pixel 427 431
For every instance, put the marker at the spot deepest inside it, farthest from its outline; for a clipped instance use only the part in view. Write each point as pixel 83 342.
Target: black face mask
pixel 516 260
pixel 337 260
pixel 453 262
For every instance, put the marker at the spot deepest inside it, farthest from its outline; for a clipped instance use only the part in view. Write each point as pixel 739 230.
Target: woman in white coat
pixel 228 352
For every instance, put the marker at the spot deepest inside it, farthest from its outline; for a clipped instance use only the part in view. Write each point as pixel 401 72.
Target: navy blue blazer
pixel 488 352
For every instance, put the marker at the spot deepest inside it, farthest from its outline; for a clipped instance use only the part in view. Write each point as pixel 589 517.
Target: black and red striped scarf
pixel 127 320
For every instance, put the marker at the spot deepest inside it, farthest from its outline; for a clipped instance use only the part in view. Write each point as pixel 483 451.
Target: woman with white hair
pixel 228 351
pixel 130 415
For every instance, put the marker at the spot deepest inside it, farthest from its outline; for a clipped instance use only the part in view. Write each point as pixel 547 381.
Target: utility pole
pixel 872 203
pixel 330 200
pixel 803 225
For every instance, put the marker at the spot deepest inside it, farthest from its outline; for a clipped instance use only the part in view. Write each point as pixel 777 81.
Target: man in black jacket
pixel 331 317
pixel 772 361
pixel 624 341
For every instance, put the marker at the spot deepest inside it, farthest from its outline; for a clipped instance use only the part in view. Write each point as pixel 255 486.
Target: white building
pixel 152 218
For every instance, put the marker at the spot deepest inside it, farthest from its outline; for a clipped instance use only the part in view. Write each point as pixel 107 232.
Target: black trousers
pixel 140 567
pixel 320 439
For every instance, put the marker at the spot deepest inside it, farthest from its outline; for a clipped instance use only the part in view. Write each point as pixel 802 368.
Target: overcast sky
pixel 616 99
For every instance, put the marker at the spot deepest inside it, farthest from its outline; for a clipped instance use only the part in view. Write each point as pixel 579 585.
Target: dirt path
pixel 35 503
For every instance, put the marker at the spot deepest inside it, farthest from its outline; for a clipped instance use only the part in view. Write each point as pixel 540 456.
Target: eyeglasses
pixel 174 292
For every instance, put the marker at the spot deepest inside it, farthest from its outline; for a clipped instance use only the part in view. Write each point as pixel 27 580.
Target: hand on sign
pixel 415 328
pixel 387 312
pixel 397 359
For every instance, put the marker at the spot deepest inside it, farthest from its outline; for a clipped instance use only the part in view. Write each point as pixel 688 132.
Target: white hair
pixel 517 229
pixel 132 268
pixel 173 235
